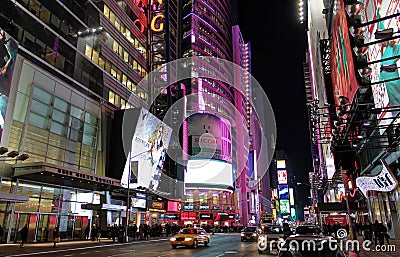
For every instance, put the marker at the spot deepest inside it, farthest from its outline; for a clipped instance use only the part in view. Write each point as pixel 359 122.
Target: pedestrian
pixel 383 234
pixel 87 230
pixel 94 232
pixel 56 236
pixel 1 233
pixel 24 235
pixel 98 233
pixel 134 231
pixel 286 231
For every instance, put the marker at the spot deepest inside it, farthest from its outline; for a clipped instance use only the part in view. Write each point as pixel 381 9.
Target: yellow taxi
pixel 190 237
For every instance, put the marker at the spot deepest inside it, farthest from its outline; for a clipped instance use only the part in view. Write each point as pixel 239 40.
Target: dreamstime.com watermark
pixel 330 244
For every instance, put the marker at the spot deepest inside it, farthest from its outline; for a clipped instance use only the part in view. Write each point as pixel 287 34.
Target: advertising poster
pixel 285 206
pixel 283 191
pixel 148 151
pixel 384 56
pixel 210 137
pixel 282 177
pixel 8 54
pixel 344 80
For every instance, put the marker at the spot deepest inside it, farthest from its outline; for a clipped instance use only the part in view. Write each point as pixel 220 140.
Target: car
pixel 269 238
pixel 190 237
pixel 311 246
pixel 308 229
pixel 250 233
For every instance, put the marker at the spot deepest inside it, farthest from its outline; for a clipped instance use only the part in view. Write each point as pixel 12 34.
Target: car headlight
pixel 242 234
pixel 254 234
pixel 173 239
pixel 188 239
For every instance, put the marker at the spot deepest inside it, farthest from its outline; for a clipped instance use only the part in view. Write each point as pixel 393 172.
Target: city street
pixel 220 245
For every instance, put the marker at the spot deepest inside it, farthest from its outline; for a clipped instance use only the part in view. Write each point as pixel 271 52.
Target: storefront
pixel 188 218
pixel 155 211
pixel 206 218
pixel 173 212
pixel 44 196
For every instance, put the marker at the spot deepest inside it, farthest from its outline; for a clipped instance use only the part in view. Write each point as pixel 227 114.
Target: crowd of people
pixel 376 232
pixel 145 231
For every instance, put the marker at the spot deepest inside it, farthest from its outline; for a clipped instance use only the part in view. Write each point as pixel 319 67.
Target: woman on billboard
pixel 157 155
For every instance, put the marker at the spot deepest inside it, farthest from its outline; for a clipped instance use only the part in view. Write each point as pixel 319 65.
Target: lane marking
pixel 130 251
pixel 89 247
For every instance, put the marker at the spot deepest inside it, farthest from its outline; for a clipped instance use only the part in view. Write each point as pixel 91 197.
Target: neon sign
pixel 157 25
pixel 157 22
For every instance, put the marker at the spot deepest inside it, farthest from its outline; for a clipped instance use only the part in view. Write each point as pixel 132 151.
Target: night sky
pixel 278 45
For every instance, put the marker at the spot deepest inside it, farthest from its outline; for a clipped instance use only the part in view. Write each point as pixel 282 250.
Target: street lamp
pixel 301 183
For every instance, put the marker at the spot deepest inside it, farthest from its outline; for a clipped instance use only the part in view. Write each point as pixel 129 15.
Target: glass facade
pixel 48 206
pixel 51 129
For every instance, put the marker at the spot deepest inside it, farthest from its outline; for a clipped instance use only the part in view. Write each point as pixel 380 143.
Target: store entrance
pixel 20 220
pixel 45 227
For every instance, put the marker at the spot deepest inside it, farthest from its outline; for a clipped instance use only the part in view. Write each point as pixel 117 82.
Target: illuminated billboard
pixel 282 176
pixel 283 191
pixel 385 57
pixel 285 206
pixel 210 137
pixel 291 196
pixel 146 148
pixel 281 164
pixel 341 59
pixel 209 173
pixel 8 52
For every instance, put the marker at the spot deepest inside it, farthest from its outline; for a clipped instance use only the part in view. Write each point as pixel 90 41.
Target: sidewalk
pixel 37 248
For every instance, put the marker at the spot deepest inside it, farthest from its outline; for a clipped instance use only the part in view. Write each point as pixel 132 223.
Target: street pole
pixel 347 190
pixel 128 201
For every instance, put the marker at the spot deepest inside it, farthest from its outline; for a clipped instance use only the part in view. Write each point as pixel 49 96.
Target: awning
pixel 221 216
pixel 57 175
pixel 337 207
pixel 8 197
pixel 104 206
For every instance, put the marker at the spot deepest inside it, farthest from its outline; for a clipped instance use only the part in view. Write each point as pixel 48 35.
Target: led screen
pixel 285 206
pixel 139 203
pixel 282 177
pixel 384 57
pixel 281 164
pixel 210 137
pixel 291 196
pixel 283 192
pixel 146 157
pixel 8 52
pixel 209 172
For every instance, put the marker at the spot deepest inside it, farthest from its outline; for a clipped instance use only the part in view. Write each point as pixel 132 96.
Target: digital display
pixel 8 52
pixel 385 57
pixel 209 172
pixel 139 203
pixel 285 206
pixel 283 191
pixel 210 137
pixel 281 164
pixel 282 177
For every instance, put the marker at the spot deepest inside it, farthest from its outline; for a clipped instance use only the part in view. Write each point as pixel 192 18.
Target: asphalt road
pixel 220 245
